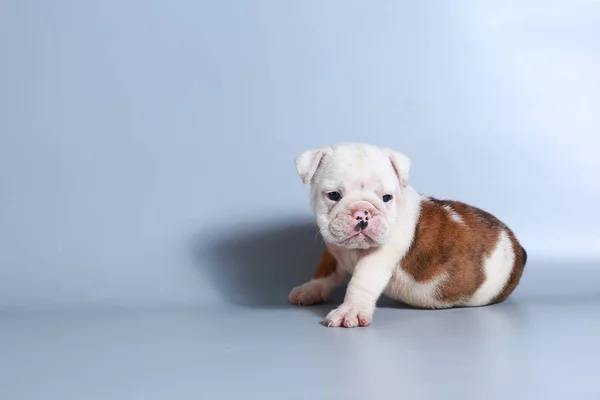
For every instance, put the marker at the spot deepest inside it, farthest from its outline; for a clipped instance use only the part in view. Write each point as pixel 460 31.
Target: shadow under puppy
pixel 425 252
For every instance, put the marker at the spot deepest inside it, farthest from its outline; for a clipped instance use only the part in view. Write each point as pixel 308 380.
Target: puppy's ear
pixel 308 162
pixel 401 164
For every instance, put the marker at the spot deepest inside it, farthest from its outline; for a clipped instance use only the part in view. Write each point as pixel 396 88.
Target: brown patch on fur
pixel 327 265
pixel 458 250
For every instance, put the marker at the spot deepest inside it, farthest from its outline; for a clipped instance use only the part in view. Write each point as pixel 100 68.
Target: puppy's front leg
pixel 326 278
pixel 371 276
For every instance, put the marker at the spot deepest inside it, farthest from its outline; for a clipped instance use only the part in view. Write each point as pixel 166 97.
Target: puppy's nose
pixel 362 215
pixel 362 218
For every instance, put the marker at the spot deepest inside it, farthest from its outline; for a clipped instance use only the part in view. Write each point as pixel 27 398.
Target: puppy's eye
pixel 334 196
pixel 387 198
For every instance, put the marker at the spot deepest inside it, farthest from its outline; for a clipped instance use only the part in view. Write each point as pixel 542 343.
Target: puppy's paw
pixel 349 316
pixel 309 293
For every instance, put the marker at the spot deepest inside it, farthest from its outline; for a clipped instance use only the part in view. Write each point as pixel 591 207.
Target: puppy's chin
pixel 359 242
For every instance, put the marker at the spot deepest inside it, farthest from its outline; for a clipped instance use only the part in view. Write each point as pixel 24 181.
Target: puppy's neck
pixel 409 211
pixel 409 208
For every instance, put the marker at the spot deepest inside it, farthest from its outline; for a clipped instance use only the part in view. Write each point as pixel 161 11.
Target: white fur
pixel 308 162
pixel 316 290
pixel 454 216
pixel 362 174
pixel 498 267
pixel 378 270
pixel 403 287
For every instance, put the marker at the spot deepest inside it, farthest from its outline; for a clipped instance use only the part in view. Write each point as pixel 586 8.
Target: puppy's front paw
pixel 349 316
pixel 309 293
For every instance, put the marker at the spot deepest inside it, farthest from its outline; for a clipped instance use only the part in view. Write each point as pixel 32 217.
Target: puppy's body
pixel 446 265
pixel 422 251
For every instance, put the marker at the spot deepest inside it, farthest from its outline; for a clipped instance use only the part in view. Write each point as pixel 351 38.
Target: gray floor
pixel 542 344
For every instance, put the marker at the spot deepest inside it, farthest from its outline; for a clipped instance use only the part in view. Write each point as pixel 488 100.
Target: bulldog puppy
pixel 425 252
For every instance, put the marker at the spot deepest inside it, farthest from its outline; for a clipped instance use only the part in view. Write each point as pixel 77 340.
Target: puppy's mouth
pixel 358 229
pixel 359 238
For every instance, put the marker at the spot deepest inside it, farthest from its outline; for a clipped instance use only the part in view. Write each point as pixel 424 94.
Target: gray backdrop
pixel 146 147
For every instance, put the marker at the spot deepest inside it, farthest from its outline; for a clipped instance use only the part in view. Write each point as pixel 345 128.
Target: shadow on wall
pixel 258 266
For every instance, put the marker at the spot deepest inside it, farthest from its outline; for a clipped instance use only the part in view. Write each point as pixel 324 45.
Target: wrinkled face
pixel 355 192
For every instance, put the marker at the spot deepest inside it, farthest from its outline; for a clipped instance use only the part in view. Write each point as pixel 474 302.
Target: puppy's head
pixel 355 191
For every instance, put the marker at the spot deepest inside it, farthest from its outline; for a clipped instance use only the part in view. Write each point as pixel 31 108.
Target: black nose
pixel 361 225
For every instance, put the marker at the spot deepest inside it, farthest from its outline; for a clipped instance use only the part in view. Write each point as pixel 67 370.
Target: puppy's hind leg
pixel 327 277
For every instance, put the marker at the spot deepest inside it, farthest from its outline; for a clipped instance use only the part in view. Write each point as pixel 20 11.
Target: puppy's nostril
pixel 361 215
